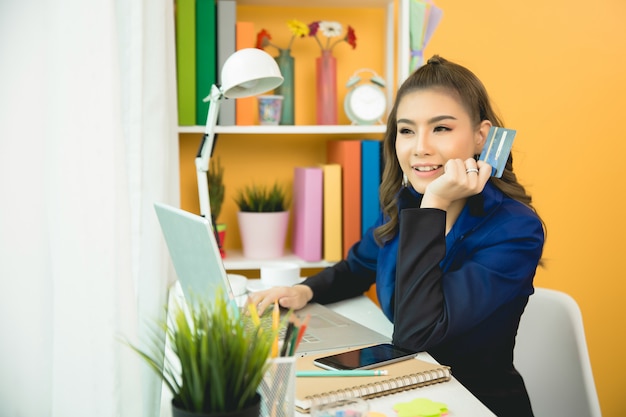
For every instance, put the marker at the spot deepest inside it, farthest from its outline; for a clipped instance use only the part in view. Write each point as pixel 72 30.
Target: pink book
pixel 307 213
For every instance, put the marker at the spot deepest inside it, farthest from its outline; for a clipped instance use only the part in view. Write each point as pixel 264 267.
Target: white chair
pixel 551 354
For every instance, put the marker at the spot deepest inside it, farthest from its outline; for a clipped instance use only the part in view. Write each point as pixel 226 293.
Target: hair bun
pixel 436 59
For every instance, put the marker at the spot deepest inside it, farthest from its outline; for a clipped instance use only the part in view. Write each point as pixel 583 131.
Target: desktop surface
pixel 458 399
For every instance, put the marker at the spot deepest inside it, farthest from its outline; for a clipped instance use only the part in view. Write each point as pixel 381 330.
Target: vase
pixel 263 235
pixel 251 410
pixel 326 70
pixel 286 89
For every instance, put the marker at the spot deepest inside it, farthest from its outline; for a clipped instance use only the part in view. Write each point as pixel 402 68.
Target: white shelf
pixel 318 3
pixel 290 130
pixel 235 260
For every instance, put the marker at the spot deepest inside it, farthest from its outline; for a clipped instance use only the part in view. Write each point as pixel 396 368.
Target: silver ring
pixel 468 170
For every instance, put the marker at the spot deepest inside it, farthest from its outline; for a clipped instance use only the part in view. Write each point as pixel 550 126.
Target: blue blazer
pixel 458 296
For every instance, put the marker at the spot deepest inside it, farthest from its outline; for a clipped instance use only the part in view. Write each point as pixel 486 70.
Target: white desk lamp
pixel 245 73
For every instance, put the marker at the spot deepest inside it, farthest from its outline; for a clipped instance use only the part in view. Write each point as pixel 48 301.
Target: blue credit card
pixel 497 149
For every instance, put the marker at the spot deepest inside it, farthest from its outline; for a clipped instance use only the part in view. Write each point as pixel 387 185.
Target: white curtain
pixel 87 144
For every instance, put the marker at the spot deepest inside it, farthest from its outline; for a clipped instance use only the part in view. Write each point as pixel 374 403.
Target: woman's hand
pixel 461 179
pixel 295 297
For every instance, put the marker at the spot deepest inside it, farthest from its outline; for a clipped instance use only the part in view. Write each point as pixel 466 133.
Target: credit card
pixel 497 149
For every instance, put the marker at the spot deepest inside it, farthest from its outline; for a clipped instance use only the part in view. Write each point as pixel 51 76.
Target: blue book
pixel 371 168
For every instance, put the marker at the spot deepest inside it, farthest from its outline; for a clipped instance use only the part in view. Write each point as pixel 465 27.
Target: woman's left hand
pixel 461 179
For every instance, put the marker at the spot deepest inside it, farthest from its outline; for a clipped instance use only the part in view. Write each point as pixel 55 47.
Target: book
pixel 370 182
pixel 307 213
pixel 402 376
pixel 246 108
pixel 226 32
pixel 347 153
pixel 205 56
pixel 186 61
pixel 331 229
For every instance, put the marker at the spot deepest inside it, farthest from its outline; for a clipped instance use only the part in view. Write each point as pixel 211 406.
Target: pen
pixel 290 329
pixel 301 331
pixel 348 372
pixel 275 319
pixel 254 314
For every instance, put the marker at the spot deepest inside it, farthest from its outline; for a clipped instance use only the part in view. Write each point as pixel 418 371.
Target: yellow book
pixel 332 217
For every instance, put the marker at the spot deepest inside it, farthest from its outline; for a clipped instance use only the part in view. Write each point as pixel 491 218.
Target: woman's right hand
pixel 295 297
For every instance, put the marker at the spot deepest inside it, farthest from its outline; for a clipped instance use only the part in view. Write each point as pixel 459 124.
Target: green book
pixel 186 61
pixel 206 56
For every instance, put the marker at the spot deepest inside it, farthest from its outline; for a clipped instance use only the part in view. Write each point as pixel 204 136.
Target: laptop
pixel 198 264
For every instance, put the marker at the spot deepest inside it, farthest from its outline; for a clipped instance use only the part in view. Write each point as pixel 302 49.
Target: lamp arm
pixel 206 150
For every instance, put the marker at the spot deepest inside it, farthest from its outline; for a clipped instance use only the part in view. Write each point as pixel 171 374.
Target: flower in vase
pixel 297 28
pixel 331 30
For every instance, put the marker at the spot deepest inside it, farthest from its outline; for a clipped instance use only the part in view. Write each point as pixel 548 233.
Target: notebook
pixel 201 273
pixel 402 376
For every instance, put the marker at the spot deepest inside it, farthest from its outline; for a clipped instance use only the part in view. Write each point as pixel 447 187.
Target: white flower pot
pixel 263 235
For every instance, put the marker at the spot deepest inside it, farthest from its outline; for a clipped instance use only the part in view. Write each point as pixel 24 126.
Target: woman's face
pixel 433 127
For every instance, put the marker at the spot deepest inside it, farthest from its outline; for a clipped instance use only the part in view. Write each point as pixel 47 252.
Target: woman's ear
pixel 481 136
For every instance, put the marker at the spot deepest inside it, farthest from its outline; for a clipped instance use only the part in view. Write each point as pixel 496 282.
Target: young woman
pixel 454 251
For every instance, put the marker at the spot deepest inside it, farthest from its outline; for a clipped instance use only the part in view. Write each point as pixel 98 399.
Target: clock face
pixel 366 104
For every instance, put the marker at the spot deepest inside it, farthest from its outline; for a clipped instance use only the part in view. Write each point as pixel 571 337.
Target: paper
pixel 424 18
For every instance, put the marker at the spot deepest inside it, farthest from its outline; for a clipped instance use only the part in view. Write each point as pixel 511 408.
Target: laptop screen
pixel 194 253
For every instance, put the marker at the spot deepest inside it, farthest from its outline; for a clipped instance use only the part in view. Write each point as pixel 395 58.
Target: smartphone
pixel 365 358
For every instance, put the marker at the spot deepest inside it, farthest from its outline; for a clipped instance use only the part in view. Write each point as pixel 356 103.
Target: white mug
pixel 280 274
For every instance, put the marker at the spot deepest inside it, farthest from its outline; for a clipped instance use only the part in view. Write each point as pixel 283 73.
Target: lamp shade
pixel 249 72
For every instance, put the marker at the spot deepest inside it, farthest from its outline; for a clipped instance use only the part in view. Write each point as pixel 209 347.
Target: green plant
pixel 215 178
pixel 219 358
pixel 261 199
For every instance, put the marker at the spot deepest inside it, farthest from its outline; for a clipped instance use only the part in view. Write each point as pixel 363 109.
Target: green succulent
pixel 215 178
pixel 261 199
pixel 219 356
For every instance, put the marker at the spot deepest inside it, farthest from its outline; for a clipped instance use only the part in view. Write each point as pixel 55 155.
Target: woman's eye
pixel 404 131
pixel 441 129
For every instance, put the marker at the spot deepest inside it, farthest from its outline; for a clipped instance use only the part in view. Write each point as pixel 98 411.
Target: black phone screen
pixel 365 358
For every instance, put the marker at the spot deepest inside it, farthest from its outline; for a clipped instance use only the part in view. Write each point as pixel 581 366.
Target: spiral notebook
pixel 402 376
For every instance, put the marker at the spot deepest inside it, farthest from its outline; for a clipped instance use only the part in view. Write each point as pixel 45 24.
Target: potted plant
pixel 218 361
pixel 263 219
pixel 215 178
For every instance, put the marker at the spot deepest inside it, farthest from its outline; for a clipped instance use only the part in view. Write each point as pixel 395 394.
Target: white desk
pixel 459 400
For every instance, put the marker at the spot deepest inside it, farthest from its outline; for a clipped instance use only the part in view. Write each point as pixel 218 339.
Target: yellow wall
pixel 557 72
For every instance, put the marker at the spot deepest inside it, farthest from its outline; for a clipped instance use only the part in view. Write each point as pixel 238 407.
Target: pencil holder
pixel 278 388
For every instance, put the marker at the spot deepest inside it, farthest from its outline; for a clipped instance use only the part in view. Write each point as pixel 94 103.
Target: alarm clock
pixel 366 102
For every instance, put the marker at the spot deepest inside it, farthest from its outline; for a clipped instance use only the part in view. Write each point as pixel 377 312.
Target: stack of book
pixel 207 33
pixel 335 202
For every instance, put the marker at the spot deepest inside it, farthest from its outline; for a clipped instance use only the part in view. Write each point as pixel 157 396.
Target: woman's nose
pixel 421 145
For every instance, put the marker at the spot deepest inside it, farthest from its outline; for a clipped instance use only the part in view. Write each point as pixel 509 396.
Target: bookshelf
pixel 390 35
pixel 290 130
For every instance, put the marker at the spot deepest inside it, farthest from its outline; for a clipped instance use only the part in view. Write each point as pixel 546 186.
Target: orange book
pixel 246 108
pixel 347 153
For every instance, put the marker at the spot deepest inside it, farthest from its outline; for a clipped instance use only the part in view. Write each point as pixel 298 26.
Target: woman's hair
pixel 439 73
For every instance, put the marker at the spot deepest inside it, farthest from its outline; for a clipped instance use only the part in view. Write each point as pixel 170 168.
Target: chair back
pixel 551 354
